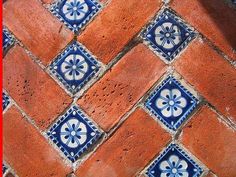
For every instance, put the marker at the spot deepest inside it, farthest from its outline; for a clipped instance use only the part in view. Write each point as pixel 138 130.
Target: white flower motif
pixel 174 167
pixel 171 102
pixel 167 35
pixel 73 133
pixel 74 67
pixel 75 9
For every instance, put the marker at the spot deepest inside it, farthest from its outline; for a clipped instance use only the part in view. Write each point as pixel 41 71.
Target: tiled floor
pixel 117 88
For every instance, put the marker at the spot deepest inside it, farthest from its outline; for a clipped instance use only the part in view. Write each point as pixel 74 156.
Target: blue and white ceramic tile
pixel 8 39
pixel 4 168
pixel 74 67
pixel 168 35
pixel 75 13
pixel 73 133
pixel 171 103
pixel 174 162
pixel 5 100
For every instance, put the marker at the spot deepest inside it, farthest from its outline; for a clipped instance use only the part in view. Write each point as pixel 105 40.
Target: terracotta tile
pixel 33 89
pixel 211 75
pixel 213 18
pixel 38 30
pixel 125 154
pixel 116 25
pixel 211 141
pixel 28 152
pixel 115 94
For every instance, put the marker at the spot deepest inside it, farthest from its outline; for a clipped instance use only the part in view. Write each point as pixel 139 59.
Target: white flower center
pixel 171 102
pixel 73 133
pixel 167 34
pixel 174 170
pixel 74 67
pixel 75 8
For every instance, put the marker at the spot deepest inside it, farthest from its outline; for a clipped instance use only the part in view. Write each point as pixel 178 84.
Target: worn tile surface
pixel 119 88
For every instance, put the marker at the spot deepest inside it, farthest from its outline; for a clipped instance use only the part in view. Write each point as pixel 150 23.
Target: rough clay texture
pixel 114 100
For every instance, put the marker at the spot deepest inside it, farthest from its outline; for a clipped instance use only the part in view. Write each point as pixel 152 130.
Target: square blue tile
pixel 174 162
pixel 171 103
pixel 73 133
pixel 8 39
pixel 75 13
pixel 74 67
pixel 5 100
pixel 168 35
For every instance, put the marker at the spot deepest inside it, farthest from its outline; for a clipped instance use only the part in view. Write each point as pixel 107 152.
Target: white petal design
pixel 174 160
pixel 166 112
pixel 74 12
pixel 165 94
pixel 167 35
pixel 164 175
pixel 159 36
pixel 164 165
pixel 177 111
pixel 68 134
pixel 74 67
pixel 161 103
pixel 182 165
pixel 175 93
pixel 82 133
pixel 184 174
pixel 182 102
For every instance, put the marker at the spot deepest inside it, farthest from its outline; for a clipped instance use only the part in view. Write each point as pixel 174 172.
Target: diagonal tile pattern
pixel 137 101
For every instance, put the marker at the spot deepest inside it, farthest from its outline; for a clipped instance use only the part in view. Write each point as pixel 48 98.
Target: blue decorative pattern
pixel 75 13
pixel 5 100
pixel 73 133
pixel 8 39
pixel 171 103
pixel 174 162
pixel 74 67
pixel 168 35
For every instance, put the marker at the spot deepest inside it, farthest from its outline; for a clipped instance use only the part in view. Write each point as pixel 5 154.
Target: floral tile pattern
pixel 75 13
pixel 168 35
pixel 74 67
pixel 171 103
pixel 8 39
pixel 73 133
pixel 174 162
pixel 5 100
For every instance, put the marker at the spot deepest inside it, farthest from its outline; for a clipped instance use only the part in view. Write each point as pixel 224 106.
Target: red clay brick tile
pixel 213 18
pixel 32 24
pixel 212 142
pixel 26 151
pixel 116 25
pixel 115 94
pixel 47 1
pixel 129 150
pixel 33 89
pixel 211 75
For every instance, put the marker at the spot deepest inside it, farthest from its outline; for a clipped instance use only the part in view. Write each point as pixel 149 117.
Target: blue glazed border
pixel 89 123
pixel 184 117
pixel 169 13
